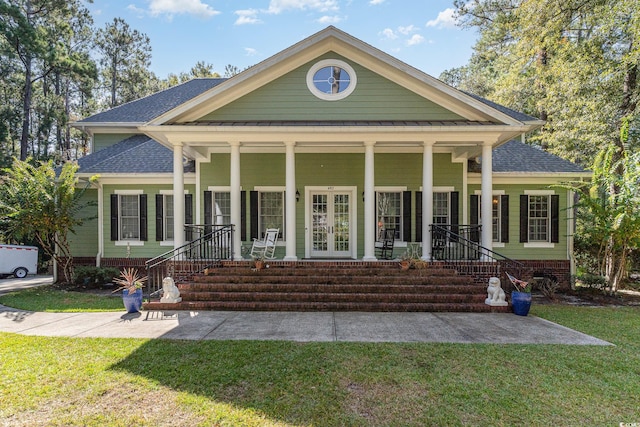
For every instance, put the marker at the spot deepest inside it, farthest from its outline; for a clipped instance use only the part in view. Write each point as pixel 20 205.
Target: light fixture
pixel 297 195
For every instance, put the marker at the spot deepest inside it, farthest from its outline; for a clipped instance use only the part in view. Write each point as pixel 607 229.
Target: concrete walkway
pixel 295 326
pixel 491 328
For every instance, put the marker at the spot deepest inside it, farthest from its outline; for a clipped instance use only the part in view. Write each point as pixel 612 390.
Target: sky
pixel 242 33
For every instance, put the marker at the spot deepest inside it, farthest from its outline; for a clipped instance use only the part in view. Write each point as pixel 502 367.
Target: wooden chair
pixel 384 246
pixel 266 248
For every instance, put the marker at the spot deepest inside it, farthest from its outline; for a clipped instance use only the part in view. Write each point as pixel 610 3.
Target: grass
pixel 50 299
pixel 119 382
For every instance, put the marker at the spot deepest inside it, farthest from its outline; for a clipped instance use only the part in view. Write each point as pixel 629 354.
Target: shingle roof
pixel 134 155
pixel 145 109
pixel 516 156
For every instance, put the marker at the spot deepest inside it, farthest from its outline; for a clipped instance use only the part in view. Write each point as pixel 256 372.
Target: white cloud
pixel 329 19
pixel 249 51
pixel 374 2
pixel 407 30
pixel 178 7
pixel 247 16
pixel 415 39
pixel 388 34
pixel 445 19
pixel 133 8
pixel 279 6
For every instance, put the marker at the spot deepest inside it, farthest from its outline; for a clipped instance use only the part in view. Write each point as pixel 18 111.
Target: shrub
pixel 94 276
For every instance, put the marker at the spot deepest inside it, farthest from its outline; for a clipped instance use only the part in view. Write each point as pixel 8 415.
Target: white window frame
pixel 272 189
pixel 400 191
pixel 496 193
pixel 214 190
pixel 121 241
pixel 353 80
pixel 165 241
pixel 540 244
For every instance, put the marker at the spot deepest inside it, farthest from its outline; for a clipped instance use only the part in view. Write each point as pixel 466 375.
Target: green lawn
pixel 49 298
pixel 121 382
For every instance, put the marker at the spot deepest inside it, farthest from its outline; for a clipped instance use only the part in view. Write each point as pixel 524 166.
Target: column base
pixel 369 258
pixel 290 258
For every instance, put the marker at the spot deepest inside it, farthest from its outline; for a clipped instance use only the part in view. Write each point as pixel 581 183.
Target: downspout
pixel 100 253
pixel 571 228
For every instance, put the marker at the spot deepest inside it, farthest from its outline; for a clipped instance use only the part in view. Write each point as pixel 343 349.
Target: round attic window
pixel 331 79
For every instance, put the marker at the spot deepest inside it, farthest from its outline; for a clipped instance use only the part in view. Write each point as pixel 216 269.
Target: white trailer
pixel 18 260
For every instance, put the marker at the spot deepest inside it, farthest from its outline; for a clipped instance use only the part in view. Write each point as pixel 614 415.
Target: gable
pixel 375 98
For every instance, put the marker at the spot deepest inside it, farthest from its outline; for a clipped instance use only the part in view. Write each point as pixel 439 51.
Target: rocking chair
pixel 384 247
pixel 266 248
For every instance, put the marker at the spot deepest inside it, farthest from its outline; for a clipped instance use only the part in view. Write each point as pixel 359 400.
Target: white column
pixel 236 217
pixel 369 202
pixel 178 195
pixel 486 211
pixel 427 199
pixel 290 201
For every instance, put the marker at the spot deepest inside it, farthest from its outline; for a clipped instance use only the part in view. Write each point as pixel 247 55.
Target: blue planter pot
pixel 521 303
pixel 132 302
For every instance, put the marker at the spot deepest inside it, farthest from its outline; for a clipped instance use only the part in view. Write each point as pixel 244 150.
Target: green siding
pixel 288 98
pixel 84 242
pixel 516 250
pixel 150 248
pixel 104 140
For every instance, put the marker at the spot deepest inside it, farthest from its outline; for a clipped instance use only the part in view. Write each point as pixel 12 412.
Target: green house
pixel 331 142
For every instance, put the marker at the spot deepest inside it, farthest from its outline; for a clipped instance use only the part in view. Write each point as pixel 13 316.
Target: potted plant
pixel 521 297
pixel 131 284
pixel 258 262
pixel 405 261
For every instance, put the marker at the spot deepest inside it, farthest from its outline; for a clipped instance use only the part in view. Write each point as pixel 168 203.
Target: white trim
pixel 443 189
pixel 128 192
pixel 353 80
pixel 494 193
pixel 220 188
pixel 390 189
pixel 129 242
pixel 170 192
pixel 545 245
pixel 539 192
pixel 166 243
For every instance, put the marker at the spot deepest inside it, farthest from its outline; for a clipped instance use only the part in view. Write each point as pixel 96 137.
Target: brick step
pixel 186 288
pixel 332 297
pixel 332 279
pixel 329 271
pixel 326 306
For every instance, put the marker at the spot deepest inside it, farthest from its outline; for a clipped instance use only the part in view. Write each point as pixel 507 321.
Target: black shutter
pixel 524 218
pixel 555 218
pixel 208 211
pixel 455 211
pixel 253 210
pixel 474 202
pixel 504 219
pixel 159 217
pixel 188 216
pixel 114 217
pixel 406 216
pixel 418 216
pixel 143 217
pixel 243 215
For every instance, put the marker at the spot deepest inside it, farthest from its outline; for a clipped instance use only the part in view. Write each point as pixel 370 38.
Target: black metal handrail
pixel 453 243
pixel 208 248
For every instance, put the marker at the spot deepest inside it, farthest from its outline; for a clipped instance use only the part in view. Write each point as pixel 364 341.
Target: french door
pixel 330 216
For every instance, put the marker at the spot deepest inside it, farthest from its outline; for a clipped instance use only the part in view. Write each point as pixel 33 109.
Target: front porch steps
pixel 330 286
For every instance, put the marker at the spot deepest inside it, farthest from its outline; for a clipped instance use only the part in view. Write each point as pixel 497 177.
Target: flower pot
pixel 521 303
pixel 404 265
pixel 132 302
pixel 259 264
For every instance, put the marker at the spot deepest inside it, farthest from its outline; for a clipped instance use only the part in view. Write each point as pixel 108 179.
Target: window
pixel 129 216
pixel 331 79
pixel 168 217
pixel 221 207
pixel 271 211
pixel 539 218
pixel 389 213
pixel 441 208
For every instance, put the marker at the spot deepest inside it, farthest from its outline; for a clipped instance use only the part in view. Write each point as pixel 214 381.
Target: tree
pixel 38 204
pixel 125 60
pixel 30 36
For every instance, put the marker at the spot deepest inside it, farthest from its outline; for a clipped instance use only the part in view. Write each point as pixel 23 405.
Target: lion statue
pixel 496 296
pixel 170 292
